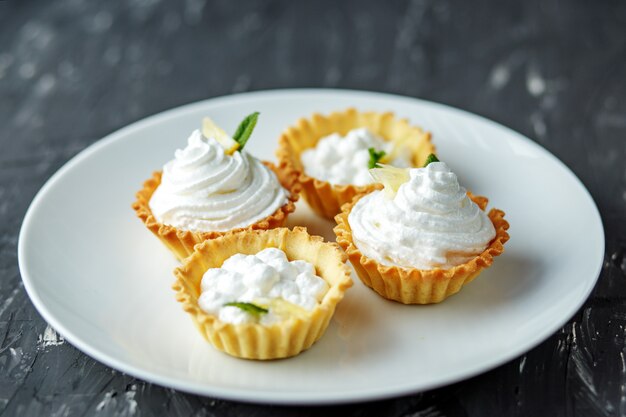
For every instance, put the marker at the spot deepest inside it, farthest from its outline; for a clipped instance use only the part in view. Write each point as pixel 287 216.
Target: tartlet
pixel 324 198
pixel 253 340
pixel 412 284
pixel 181 240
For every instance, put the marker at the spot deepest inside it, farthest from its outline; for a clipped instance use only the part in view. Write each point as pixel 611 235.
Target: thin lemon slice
pixel 396 151
pixel 400 146
pixel 285 309
pixel 211 130
pixel 390 177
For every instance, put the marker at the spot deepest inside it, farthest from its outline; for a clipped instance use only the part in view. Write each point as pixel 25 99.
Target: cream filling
pixel 344 160
pixel 268 280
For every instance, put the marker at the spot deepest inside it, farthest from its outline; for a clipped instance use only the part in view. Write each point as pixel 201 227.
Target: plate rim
pixel 268 396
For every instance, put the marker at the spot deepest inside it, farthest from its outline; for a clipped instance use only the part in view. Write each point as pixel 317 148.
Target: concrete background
pixel 73 71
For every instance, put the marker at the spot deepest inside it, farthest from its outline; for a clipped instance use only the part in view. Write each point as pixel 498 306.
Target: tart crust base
pixel 252 340
pixel 415 286
pixel 182 242
pixel 325 198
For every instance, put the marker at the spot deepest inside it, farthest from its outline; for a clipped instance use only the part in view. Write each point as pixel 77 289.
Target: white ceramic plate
pixel 103 281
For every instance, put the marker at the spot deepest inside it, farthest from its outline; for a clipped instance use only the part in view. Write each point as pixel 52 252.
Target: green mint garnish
pixel 253 309
pixel 245 128
pixel 375 156
pixel 431 158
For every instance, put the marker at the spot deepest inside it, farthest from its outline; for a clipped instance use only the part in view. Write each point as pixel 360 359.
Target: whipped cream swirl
pixel 430 223
pixel 202 189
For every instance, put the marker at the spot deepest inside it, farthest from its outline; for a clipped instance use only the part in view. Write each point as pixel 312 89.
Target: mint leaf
pixel 431 158
pixel 245 128
pixel 375 156
pixel 253 309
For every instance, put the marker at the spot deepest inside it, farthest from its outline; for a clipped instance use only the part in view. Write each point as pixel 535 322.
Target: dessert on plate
pixel 263 294
pixel 422 237
pixel 331 154
pixel 213 186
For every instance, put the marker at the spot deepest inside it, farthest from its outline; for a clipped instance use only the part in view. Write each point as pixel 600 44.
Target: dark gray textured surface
pixel 73 71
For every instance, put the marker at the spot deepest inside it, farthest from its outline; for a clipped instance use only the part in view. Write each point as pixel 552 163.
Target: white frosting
pixel 258 279
pixel 430 223
pixel 203 189
pixel 344 160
